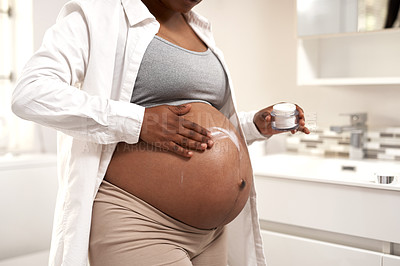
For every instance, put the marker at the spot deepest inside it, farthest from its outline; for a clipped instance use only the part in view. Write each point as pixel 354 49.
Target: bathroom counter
pixel 341 171
pixel 327 211
pixel 11 161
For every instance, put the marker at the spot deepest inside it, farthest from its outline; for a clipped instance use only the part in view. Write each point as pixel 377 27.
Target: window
pixel 5 44
pixel 5 69
pixel 16 46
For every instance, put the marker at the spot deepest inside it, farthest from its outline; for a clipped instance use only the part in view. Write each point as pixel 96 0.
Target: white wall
pixel 44 16
pixel 262 58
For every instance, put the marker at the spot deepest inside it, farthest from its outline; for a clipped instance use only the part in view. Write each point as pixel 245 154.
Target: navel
pixel 242 184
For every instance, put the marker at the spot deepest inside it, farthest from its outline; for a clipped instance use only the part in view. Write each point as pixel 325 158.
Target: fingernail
pixel 190 153
pixel 203 146
pixel 210 143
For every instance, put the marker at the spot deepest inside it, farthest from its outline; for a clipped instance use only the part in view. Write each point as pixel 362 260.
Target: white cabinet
pixel 286 250
pixel 389 260
pixel 318 222
pixel 27 199
pixel 349 58
pixel 351 210
pixel 40 258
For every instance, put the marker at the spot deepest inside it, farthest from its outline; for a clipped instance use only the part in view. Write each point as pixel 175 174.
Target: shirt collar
pixel 202 28
pixel 193 17
pixel 136 11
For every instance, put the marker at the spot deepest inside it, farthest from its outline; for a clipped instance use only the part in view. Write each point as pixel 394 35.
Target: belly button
pixel 242 184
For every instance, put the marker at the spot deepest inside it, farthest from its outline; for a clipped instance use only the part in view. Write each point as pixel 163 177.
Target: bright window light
pixel 5 43
pixel 304 5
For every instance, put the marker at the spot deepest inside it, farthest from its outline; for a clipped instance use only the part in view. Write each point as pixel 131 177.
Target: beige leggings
pixel 127 231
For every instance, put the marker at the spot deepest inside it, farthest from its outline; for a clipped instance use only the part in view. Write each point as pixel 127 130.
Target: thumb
pixel 265 117
pixel 180 109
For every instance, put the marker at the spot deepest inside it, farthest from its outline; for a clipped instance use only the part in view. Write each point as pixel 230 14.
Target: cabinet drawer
pixel 350 210
pixel 389 260
pixel 27 200
pixel 286 250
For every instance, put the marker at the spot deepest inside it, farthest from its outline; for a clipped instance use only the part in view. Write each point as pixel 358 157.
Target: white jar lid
pixel 285 109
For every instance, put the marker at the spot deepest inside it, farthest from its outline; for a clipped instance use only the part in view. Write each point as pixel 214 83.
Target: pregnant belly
pixel 207 190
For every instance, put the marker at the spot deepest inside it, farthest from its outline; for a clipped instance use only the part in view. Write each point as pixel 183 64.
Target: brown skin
pixel 163 125
pixel 206 191
pixel 173 25
pixel 183 136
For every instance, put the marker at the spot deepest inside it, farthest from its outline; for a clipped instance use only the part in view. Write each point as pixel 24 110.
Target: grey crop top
pixel 170 74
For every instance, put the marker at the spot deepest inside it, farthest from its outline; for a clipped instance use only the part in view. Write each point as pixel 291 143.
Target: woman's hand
pixel 262 120
pixel 164 127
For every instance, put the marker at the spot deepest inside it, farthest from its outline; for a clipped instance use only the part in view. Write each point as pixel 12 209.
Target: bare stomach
pixel 206 191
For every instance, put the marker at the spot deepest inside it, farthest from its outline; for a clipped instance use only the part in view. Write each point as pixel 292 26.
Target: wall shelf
pixel 361 58
pixel 352 81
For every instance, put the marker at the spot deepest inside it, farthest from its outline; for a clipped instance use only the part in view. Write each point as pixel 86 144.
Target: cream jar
pixel 284 117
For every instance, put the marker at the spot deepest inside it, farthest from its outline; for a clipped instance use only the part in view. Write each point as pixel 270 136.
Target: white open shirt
pixel 80 82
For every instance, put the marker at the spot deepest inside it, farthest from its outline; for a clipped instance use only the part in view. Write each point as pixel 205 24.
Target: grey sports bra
pixel 170 74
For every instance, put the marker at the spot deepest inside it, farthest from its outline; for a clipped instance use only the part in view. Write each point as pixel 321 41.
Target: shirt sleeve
pixel 249 128
pixel 49 90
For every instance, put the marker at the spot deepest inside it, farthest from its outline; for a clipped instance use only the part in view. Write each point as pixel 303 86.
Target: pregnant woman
pixel 151 191
pixel 153 163
pixel 207 191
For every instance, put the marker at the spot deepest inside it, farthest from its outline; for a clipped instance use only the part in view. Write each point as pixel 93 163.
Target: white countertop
pixel 327 170
pixel 10 161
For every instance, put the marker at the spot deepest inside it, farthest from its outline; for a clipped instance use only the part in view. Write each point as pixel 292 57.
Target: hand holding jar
pixel 280 118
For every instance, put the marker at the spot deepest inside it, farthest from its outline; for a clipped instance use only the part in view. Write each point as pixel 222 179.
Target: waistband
pixel 110 193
